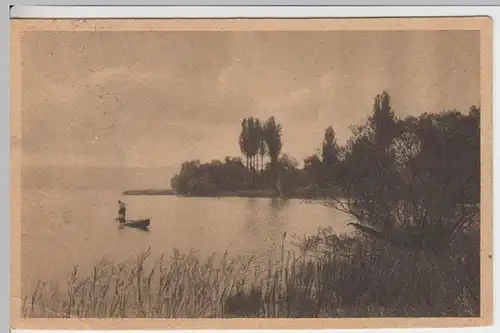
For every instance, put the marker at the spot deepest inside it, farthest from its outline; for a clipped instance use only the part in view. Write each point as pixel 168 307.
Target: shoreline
pixel 258 194
pixel 149 192
pixel 264 194
pixel 291 280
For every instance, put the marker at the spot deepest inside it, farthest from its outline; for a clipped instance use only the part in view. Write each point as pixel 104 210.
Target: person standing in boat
pixel 121 211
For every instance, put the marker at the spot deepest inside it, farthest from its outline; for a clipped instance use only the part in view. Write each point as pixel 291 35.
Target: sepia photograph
pixel 251 169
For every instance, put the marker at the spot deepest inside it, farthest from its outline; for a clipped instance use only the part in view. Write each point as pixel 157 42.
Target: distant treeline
pixel 434 152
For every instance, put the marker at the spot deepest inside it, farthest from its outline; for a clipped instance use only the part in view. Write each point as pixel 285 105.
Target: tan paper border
pixel 483 24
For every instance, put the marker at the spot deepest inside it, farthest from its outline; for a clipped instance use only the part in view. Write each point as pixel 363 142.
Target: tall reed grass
pixel 331 276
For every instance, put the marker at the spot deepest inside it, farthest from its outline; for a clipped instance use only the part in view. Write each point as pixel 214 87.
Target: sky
pixel 151 100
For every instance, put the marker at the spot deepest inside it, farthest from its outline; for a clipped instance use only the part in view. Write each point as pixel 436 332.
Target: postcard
pixel 251 173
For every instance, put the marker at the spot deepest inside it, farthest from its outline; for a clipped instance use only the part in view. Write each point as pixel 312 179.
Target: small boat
pixel 140 224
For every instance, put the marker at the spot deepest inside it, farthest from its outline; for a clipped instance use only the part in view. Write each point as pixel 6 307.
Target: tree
pixel 313 170
pixel 312 163
pixel 253 140
pixel 272 136
pixel 330 148
pixel 250 143
pixel 330 154
pixel 287 162
pixel 180 182
pixel 262 148
pixel 438 158
pixel 244 141
pixel 289 174
pixel 407 181
pixel 207 179
pixel 383 122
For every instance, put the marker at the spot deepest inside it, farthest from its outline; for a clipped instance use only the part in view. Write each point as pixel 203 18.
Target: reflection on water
pixel 61 229
pixel 278 203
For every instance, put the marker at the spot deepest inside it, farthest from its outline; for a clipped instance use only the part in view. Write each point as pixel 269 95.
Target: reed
pixel 330 276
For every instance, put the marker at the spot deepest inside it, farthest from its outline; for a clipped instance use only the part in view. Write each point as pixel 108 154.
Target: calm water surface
pixel 61 229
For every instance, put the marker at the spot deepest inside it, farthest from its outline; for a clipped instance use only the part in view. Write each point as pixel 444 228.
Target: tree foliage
pixel 398 176
pixel 415 179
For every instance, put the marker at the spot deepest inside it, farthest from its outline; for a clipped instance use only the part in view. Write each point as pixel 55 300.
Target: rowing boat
pixel 141 224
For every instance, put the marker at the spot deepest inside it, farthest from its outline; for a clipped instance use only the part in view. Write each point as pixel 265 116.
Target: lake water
pixel 63 228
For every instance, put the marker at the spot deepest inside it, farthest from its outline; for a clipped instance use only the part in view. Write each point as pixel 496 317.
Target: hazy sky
pixel 155 99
